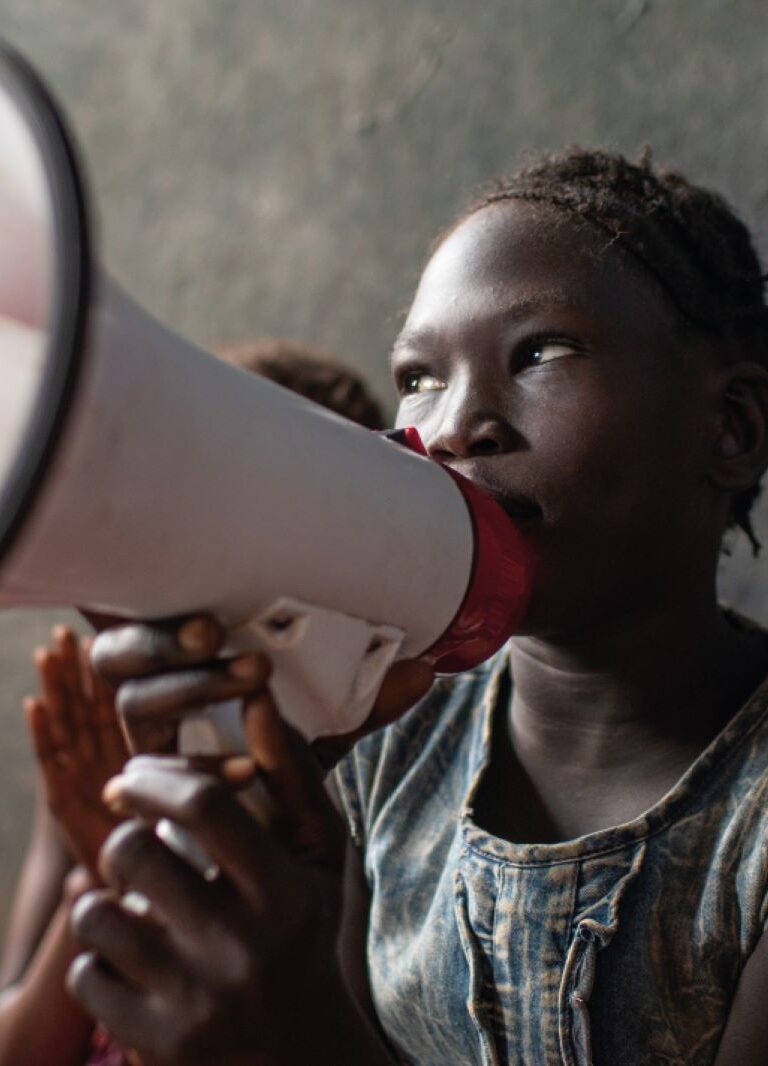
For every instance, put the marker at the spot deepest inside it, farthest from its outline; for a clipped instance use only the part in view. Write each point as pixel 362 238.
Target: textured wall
pixel 279 166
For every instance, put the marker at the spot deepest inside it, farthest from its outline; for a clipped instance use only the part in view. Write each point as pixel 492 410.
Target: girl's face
pixel 543 364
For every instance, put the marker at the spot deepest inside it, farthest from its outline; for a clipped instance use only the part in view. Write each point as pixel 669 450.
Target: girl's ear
pixel 741 445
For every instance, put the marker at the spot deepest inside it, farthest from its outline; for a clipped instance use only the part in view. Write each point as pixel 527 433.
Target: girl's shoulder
pixel 438 734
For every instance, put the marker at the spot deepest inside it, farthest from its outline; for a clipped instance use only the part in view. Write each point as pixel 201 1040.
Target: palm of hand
pixel 78 742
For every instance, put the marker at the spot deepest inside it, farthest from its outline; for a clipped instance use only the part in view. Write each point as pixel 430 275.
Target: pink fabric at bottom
pixel 106 1052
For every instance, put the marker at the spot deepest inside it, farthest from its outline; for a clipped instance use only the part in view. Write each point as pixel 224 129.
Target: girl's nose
pixel 470 436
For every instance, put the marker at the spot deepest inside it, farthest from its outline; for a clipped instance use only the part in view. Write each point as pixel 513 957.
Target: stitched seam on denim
pixel 725 756
pixel 494 923
pixel 680 805
pixel 477 1007
pixel 577 882
pixel 461 867
pixel 675 816
pixel 488 706
pixel 564 1006
pixel 571 860
pixel 564 1010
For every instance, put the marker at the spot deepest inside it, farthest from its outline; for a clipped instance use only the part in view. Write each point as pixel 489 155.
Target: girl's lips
pixel 522 512
pixel 521 509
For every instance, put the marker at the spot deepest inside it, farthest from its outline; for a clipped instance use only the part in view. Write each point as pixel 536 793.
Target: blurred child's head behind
pixel 589 342
pixel 311 373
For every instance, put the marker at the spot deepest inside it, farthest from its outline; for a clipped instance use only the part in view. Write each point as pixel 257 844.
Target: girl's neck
pixel 670 676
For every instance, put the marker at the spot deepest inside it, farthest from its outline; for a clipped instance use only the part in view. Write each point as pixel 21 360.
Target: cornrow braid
pixel 687 238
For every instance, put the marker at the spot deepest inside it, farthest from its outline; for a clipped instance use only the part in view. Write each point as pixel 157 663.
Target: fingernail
pixel 111 793
pixel 195 636
pixel 246 668
pixel 136 903
pixel 238 769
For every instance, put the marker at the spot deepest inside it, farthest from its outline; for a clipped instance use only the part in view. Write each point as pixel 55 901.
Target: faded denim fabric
pixel 619 948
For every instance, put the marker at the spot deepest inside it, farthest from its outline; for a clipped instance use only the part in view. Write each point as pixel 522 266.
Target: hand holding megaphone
pixel 235 962
pixel 166 671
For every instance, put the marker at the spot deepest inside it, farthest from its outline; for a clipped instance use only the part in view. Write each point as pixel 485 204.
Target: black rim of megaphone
pixel 71 288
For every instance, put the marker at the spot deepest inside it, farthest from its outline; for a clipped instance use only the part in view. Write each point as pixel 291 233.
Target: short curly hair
pixel 688 238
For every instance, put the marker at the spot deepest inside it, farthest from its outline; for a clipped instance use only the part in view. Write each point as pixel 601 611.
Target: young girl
pixel 562 855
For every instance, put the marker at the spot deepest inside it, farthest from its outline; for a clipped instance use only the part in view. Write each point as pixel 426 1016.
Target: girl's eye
pixel 413 382
pixel 548 351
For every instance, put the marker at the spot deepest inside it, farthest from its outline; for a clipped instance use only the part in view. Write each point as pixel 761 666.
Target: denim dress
pixel 619 948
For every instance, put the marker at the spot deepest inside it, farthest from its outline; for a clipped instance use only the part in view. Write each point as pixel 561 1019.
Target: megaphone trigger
pixel 379 655
pixel 327 668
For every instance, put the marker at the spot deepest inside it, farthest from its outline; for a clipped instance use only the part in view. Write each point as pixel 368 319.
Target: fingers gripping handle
pixel 327 669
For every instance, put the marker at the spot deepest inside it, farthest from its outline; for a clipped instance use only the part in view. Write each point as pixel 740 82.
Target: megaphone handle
pixel 217 730
pixel 327 666
pixel 327 670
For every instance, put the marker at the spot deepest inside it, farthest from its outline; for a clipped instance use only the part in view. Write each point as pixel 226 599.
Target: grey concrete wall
pixel 280 166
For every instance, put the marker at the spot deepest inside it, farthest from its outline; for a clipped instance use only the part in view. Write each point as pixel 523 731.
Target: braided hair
pixel 689 239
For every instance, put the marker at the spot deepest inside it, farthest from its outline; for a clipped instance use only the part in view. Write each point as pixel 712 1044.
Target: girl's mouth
pixel 521 509
pixel 523 512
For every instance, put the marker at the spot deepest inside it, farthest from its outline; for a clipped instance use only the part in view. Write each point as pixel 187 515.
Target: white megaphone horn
pixel 142 477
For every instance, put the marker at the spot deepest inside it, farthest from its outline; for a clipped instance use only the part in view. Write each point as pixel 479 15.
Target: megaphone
pixel 142 477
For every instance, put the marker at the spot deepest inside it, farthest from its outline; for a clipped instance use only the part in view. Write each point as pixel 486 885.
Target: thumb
pixel 302 813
